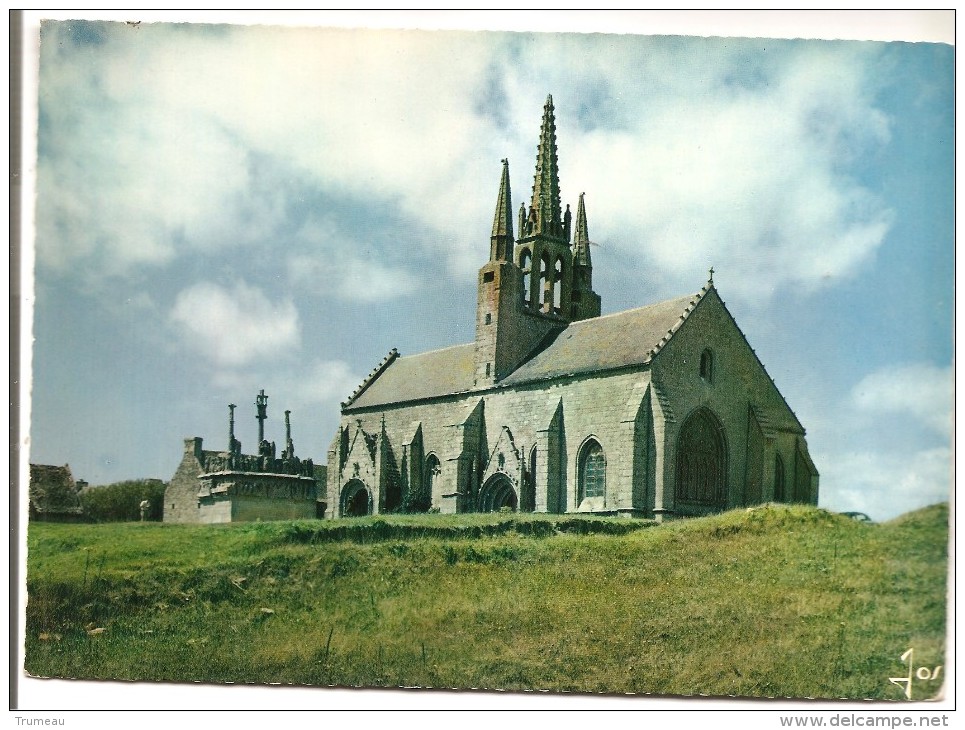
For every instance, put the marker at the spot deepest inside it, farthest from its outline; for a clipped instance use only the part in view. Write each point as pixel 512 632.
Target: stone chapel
pixel 659 411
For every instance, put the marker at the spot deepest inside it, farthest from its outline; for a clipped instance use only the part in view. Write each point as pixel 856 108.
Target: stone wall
pixel 181 495
pixel 557 419
pixel 53 494
pixel 635 415
pixel 205 488
pixel 738 382
pixel 506 331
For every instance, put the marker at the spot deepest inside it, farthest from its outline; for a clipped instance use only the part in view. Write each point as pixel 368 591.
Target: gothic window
pixel 433 470
pixel 529 497
pixel 701 460
pixel 592 471
pixel 778 478
pixel 545 284
pixel 526 264
pixel 707 366
pixel 557 285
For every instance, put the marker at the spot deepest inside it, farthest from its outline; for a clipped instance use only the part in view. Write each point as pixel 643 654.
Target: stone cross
pixel 261 402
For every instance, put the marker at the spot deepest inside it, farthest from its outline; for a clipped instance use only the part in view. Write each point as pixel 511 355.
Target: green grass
pixel 779 601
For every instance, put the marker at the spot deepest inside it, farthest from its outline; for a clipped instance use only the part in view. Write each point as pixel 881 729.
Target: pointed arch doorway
pixel 498 492
pixel 356 500
pixel 702 461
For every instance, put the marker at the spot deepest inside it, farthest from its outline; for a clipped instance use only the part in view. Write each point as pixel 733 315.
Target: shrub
pixel 414 503
pixel 121 501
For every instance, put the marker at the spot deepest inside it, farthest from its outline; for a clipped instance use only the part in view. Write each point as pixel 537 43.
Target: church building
pixel 659 411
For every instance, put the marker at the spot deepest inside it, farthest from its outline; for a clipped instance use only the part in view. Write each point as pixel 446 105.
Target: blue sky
pixel 222 209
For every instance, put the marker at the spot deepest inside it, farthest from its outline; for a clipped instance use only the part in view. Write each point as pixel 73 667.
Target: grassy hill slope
pixel 778 601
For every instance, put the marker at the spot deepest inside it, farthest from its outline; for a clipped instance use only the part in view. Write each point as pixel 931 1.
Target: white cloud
pixel 326 261
pixel 886 447
pixel 127 176
pixel 886 484
pixel 349 278
pixel 328 381
pixel 233 327
pixel 729 159
pixel 921 391
pixel 756 181
pixel 170 118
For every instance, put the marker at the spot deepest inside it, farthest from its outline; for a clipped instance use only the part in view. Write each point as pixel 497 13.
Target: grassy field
pixel 779 601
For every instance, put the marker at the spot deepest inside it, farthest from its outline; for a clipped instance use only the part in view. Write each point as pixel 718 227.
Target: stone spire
pixel 581 237
pixel 585 301
pixel 501 247
pixel 545 211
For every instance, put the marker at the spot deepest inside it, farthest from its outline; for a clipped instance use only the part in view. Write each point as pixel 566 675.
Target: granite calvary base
pixel 230 486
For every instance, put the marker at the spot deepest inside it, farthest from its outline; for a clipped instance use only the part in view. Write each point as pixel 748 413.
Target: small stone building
pixel 229 486
pixel 53 495
pixel 658 411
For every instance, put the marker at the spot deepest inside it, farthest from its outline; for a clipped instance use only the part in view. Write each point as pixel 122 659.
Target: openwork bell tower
pixel 538 282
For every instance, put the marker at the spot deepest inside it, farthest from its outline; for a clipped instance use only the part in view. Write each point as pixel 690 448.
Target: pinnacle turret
pixel 581 237
pixel 545 214
pixel 586 302
pixel 501 248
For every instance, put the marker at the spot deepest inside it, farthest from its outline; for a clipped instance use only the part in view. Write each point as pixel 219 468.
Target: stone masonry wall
pixel 592 407
pixel 738 381
pixel 636 424
pixel 181 495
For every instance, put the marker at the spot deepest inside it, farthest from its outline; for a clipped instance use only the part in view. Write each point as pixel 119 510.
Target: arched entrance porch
pixel 702 461
pixel 356 500
pixel 498 492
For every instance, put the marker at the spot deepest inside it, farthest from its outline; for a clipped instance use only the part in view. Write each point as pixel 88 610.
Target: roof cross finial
pixel 711 279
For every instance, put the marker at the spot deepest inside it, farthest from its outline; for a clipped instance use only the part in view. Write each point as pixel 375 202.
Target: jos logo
pixel 922 673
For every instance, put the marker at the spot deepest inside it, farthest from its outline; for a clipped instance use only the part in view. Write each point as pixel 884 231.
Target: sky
pixel 226 208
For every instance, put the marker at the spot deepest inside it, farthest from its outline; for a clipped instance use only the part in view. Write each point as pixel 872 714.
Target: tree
pixel 120 502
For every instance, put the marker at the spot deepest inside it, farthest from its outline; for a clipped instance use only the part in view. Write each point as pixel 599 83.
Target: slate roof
pixel 604 343
pixel 415 377
pixel 600 343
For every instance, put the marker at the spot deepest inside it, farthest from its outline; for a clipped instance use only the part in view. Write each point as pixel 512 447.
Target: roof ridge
pixel 386 361
pixel 440 349
pixel 688 310
pixel 699 294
